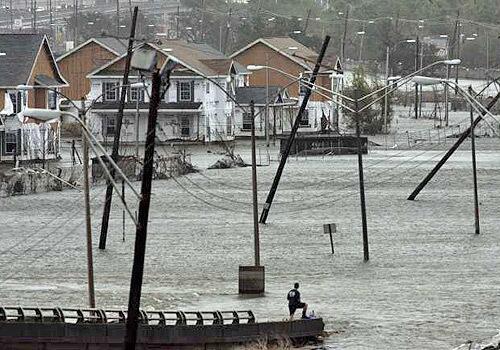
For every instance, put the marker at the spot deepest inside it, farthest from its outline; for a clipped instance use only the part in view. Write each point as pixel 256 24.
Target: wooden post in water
pixel 474 171
pixel 366 253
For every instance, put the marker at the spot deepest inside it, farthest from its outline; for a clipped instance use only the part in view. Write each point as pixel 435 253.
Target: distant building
pixel 296 61
pixel 281 110
pixel 194 109
pixel 77 63
pixel 27 60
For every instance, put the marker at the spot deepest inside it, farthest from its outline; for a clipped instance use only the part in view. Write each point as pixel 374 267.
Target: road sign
pixel 330 228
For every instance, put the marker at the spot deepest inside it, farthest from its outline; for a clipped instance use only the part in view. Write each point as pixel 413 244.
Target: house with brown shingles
pixel 290 56
pixel 26 60
pixel 77 63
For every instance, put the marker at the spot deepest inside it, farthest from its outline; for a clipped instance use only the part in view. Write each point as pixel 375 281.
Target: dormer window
pixel 185 91
pixel 136 94
pixel 110 91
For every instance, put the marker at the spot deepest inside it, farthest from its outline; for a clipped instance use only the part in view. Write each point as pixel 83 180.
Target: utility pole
pixel 458 42
pixel 386 95
pixel 134 302
pixel 417 43
pixel 307 21
pixel 452 149
pixel 177 34
pixel 474 169
pixel 75 30
pixel 116 140
pixel 117 17
pixel 266 112
pixel 254 191
pixel 11 16
pixel 88 223
pixel 228 28
pixel 293 132
pixel 344 36
pixel 202 24
pixel 51 20
pixel 366 253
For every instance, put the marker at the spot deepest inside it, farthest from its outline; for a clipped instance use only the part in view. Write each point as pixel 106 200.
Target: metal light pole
pixel 88 224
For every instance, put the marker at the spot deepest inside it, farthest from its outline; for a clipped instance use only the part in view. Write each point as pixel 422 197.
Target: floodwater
pixel 431 283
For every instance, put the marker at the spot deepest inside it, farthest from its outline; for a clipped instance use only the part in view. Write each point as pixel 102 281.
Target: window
pixel 110 91
pixel 51 99
pixel 10 142
pixel 229 125
pixel 304 120
pixel 17 100
pixel 207 87
pixel 110 125
pixel 247 121
pixel 229 89
pixel 136 93
pixel 185 91
pixel 185 126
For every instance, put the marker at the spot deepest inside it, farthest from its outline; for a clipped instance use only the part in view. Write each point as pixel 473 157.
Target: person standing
pixel 295 303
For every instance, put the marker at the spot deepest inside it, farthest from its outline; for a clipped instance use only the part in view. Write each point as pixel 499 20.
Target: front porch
pixel 28 141
pixel 177 122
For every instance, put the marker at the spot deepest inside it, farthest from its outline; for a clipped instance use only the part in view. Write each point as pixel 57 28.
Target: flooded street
pixel 430 282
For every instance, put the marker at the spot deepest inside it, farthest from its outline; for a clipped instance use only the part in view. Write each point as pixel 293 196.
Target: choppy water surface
pixel 430 283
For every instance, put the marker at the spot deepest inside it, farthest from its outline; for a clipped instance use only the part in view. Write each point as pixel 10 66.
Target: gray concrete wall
pixel 23 336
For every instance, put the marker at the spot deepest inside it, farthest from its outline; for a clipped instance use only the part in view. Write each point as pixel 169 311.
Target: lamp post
pixel 475 105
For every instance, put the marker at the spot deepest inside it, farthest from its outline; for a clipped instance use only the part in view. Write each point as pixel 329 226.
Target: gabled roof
pixel 282 46
pixel 117 47
pixel 201 59
pixel 244 95
pixel 19 53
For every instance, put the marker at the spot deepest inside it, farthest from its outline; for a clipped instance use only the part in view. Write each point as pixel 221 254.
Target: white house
pixel 195 108
pixel 27 60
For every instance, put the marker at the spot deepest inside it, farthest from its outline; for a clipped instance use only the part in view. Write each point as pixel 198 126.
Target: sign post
pixel 329 229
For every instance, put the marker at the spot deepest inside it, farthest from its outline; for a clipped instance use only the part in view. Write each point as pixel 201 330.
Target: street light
pixel 474 103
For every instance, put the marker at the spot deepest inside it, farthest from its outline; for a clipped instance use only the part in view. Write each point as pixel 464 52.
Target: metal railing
pixel 100 316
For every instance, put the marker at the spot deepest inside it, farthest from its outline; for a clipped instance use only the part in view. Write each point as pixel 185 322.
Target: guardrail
pixel 100 316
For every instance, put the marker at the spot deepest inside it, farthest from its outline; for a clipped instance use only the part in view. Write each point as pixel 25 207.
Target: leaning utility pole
pixel 293 132
pixel 116 140
pixel 134 302
pixel 450 152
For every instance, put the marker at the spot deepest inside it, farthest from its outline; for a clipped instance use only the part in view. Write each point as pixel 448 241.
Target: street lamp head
pixel 421 80
pixel 254 67
pixel 410 40
pixel 453 62
pixel 43 115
